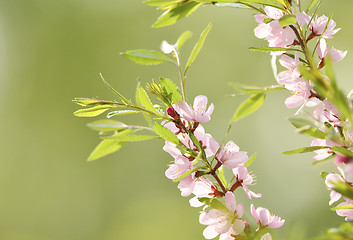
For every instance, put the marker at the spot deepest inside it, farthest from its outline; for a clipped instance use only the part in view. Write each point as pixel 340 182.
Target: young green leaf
pixel 139 102
pixel 342 207
pixel 145 100
pixel 121 112
pixel 90 102
pixel 273 49
pixel 107 146
pixel 93 111
pixel 250 160
pixel 125 100
pixel 213 203
pixel 198 46
pixel 107 125
pixel 197 144
pixel 187 173
pixel 242 89
pixel 343 188
pixel 221 175
pixel 249 106
pixel 324 175
pixel 176 13
pixel 166 134
pixel 146 57
pixel 312 4
pixel 262 2
pixel 130 138
pixel 182 39
pixel 170 90
pixel 161 3
pixel 342 150
pixel 306 126
pixel 286 20
pixel 304 150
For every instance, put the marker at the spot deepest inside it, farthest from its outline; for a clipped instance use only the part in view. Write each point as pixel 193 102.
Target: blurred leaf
pixel 312 4
pixel 286 20
pixel 342 207
pixel 130 138
pixel 125 100
pixel 324 175
pixel 108 146
pixel 107 125
pixel 306 126
pixel 213 203
pixel 343 188
pixel 262 2
pixel 90 102
pixel 166 134
pixel 93 111
pixel 146 57
pixel 242 89
pixel 342 150
pixel 161 3
pixel 121 112
pixel 273 49
pixel 250 160
pixel 170 90
pixel 176 13
pixel 198 46
pixel 187 173
pixel 183 38
pixel 304 150
pixel 249 106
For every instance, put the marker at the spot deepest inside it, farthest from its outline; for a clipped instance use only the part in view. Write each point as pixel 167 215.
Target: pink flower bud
pixel 342 159
pixel 171 112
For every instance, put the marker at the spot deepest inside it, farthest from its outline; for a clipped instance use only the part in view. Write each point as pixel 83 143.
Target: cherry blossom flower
pixel 203 188
pixel 301 91
pixel 302 18
pixel 329 113
pixel 225 221
pixel 323 51
pixel 244 179
pixel 292 74
pixel 264 218
pixel 322 153
pixel 317 27
pixel 267 236
pixel 197 113
pixel 348 213
pixel 230 156
pixel 329 181
pixel 187 184
pixel 180 166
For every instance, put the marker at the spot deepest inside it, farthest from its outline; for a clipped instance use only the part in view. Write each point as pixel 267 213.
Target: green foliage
pixel 130 138
pixel 121 112
pixel 175 13
pixel 170 90
pixel 286 20
pixel 144 100
pixel 161 3
pixel 312 4
pixel 182 39
pixel 213 203
pixel 146 57
pixel 305 126
pixel 93 111
pixel 343 188
pixel 197 143
pixel 90 102
pixel 107 125
pixel 187 173
pixel 198 47
pixel 250 160
pixel 249 106
pixel 304 150
pixel 342 150
pixel 166 134
pixel 273 49
pixel 108 146
pixel 122 98
pixel 344 232
pixel 242 89
pixel 262 2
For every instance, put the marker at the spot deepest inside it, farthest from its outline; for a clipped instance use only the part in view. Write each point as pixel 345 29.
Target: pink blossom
pixel 224 221
pixel 230 156
pixel 244 178
pixel 301 91
pixel 317 27
pixel 323 51
pixel 329 181
pixel 302 18
pixel 197 113
pixel 348 213
pixel 264 218
pixel 328 113
pixel 203 188
pixel 187 184
pixel 267 236
pixel 322 153
pixel 180 166
pixel 292 74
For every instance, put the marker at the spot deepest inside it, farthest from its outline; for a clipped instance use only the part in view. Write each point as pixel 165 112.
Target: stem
pixel 219 182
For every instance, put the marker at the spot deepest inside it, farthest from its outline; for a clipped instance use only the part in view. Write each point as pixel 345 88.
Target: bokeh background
pixel 52 51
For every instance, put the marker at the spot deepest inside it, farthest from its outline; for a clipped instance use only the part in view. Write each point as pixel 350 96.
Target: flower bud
pixel 342 159
pixel 171 112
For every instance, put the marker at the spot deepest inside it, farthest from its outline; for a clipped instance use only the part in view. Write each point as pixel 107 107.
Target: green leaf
pixel 146 57
pixel 139 102
pixel 187 173
pixel 213 203
pixel 170 90
pixel 93 111
pixel 176 13
pixel 305 126
pixel 221 175
pixel 250 160
pixel 182 39
pixel 145 100
pixel 90 102
pixel 166 134
pixel 312 4
pixel 121 112
pixel 343 188
pixel 197 143
pixel 107 125
pixel 342 207
pixel 198 46
pixel 286 20
pixel 249 106
pixel 273 49
pixel 107 146
pixel 342 150
pixel 324 175
pixel 161 3
pixel 125 100
pixel 131 138
pixel 304 150
pixel 262 2
pixel 242 89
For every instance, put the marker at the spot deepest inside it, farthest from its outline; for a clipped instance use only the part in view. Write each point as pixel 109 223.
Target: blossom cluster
pixel 225 221
pixel 327 116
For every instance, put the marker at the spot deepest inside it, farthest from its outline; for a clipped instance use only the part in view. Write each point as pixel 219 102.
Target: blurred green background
pixel 53 51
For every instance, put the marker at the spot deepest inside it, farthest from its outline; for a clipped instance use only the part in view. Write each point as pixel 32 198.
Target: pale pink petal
pixel 294 101
pixel 231 204
pixel 238 226
pixel 322 48
pixel 334 197
pixel 166 47
pixel 276 224
pixel 267 236
pixel 194 202
pixel 259 18
pixel 210 232
pixel 184 110
pixel 302 18
pixel 200 104
pixel 264 216
pixel 336 55
pixel 240 210
pixel 273 13
pixel 262 31
pixel 254 213
pixel 288 36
